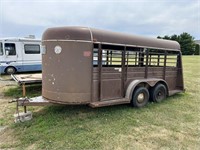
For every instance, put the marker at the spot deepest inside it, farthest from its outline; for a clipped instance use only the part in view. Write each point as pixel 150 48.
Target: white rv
pixel 20 55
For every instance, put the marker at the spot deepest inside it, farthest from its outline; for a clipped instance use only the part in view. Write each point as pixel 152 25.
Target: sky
pixel 151 18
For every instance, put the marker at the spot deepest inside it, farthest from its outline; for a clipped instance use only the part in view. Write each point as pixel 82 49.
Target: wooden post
pixel 23 90
pixel 24 94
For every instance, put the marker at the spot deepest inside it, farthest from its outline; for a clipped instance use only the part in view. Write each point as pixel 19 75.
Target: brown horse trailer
pixel 82 65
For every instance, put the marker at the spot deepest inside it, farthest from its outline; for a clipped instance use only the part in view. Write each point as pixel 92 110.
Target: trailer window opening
pixel 112 56
pixel 172 57
pixel 1 49
pixel 10 48
pixel 32 49
pixel 134 56
pixel 157 58
pixel 109 57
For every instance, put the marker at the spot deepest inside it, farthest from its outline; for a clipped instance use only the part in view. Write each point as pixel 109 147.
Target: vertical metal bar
pixel 127 64
pixel 111 57
pixel 180 82
pixel 107 57
pixel 92 72
pixel 99 68
pixel 136 58
pixel 123 72
pixel 141 58
pixel 127 58
pixel 146 66
pixel 158 61
pixel 164 68
pixel 149 63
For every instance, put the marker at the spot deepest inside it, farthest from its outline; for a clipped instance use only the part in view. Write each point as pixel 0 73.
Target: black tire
pixel 140 97
pixel 10 70
pixel 158 93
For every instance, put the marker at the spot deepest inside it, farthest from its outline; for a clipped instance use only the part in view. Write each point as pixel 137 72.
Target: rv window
pixel 10 48
pixel 1 49
pixel 32 49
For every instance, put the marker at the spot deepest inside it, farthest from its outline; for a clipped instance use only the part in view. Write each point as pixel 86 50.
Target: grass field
pixel 172 124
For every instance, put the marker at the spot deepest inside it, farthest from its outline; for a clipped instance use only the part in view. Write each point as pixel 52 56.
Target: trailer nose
pixel 67 72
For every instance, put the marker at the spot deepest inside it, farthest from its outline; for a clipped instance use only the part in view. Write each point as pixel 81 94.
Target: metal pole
pixel 146 67
pixel 164 68
pixel 123 71
pixel 99 68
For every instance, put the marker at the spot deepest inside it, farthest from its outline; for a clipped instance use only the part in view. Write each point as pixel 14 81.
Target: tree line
pixel 186 41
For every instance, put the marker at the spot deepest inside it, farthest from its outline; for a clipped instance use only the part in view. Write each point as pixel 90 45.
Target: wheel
pixel 140 97
pixel 10 70
pixel 158 93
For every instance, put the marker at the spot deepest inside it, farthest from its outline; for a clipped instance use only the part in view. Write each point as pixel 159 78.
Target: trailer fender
pixel 149 82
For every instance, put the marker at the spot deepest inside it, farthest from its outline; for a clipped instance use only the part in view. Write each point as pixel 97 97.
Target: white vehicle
pixel 20 55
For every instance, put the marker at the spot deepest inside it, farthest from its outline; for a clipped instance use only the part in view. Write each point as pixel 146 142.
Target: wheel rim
pixel 10 70
pixel 160 95
pixel 140 97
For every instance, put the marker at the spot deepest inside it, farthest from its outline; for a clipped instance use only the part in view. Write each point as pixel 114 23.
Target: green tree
pixel 166 37
pixel 187 44
pixel 159 37
pixel 197 49
pixel 175 38
pixel 185 40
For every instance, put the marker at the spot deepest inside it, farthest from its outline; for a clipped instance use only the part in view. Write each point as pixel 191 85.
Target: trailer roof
pixel 104 36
